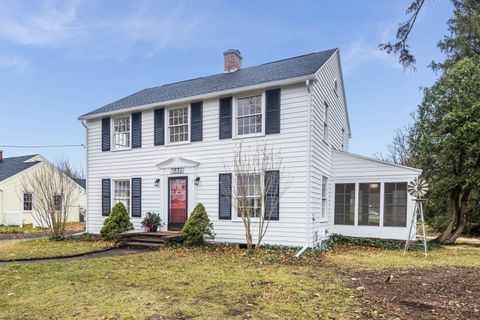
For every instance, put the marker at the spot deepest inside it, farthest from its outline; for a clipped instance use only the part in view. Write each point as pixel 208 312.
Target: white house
pixel 167 148
pixel 16 204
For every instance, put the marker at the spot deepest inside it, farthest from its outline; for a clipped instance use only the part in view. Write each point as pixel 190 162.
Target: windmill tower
pixel 417 189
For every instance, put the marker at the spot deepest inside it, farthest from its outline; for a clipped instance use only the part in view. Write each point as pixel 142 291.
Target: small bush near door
pixel 198 227
pixel 117 222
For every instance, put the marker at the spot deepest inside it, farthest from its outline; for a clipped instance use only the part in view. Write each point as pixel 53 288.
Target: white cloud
pixel 138 28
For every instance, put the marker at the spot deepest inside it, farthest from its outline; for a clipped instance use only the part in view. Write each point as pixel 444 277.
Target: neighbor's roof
pixel 269 72
pixel 11 166
pixel 81 182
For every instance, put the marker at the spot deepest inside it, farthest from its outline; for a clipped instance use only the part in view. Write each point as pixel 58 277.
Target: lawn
pixel 217 282
pixel 29 229
pixel 37 248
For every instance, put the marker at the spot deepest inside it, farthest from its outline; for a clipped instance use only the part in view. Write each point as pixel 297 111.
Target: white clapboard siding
pixel 323 92
pixel 214 155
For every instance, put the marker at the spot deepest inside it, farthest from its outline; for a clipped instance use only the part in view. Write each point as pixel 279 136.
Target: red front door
pixel 177 202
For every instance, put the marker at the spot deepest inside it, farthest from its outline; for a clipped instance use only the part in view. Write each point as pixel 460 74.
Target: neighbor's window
pixel 325 122
pixel 27 201
pixel 178 124
pixel 324 196
pixel 121 193
pixel 345 203
pixel 249 195
pixel 369 204
pixel 395 205
pixel 57 202
pixel 249 115
pixel 335 87
pixel 121 133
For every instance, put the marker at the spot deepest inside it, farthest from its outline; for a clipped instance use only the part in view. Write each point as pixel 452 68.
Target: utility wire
pixel 45 146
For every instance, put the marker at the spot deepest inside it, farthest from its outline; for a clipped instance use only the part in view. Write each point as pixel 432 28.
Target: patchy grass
pixel 20 230
pixel 380 258
pixel 175 283
pixel 39 248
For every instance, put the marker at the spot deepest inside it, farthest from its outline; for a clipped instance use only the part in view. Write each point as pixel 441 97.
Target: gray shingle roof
pixel 11 166
pixel 274 71
pixel 81 182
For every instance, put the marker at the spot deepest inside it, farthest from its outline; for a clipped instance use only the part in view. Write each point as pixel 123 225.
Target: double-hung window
pixel 121 133
pixel 249 202
pixel 57 202
pixel 178 125
pixel 324 196
pixel 27 201
pixel 249 115
pixel 121 193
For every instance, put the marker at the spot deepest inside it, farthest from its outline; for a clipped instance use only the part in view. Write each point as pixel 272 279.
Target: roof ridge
pixel 25 156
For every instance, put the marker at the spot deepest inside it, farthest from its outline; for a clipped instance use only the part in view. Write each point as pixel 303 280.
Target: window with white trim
pixel 249 195
pixel 121 193
pixel 121 133
pixel 57 202
pixel 178 125
pixel 325 122
pixel 249 115
pixel 27 201
pixel 324 196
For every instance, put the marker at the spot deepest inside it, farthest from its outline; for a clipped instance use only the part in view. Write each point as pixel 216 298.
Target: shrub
pixel 198 227
pixel 117 222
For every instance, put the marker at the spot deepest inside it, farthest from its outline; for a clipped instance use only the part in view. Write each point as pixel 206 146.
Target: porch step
pixel 153 240
pixel 147 239
pixel 149 245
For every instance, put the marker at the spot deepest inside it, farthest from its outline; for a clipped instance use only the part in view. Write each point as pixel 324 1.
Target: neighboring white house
pixel 16 204
pixel 167 148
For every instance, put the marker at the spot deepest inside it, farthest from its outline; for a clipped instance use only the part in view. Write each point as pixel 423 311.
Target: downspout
pixel 309 170
pixel 86 176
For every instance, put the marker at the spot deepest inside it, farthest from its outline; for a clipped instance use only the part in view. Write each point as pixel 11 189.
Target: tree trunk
pixel 458 218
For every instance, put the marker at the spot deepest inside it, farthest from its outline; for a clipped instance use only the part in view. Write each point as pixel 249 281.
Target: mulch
pixel 440 292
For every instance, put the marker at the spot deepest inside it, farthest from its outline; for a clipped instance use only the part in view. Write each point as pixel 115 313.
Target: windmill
pixel 417 188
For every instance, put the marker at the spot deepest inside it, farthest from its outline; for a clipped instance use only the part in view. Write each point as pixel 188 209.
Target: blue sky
pixel 61 59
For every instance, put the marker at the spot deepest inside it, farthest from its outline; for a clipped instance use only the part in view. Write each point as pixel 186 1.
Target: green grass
pixel 39 248
pixel 175 284
pixel 20 230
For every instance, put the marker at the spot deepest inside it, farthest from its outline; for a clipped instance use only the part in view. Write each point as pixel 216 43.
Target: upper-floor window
pixel 121 193
pixel 121 133
pixel 335 87
pixel 249 195
pixel 343 138
pixel 27 201
pixel 325 122
pixel 178 125
pixel 249 115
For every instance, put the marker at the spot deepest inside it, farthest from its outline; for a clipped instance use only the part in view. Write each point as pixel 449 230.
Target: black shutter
pixel 159 126
pixel 272 194
pixel 106 203
pixel 272 120
pixel 196 113
pixel 224 196
pixel 105 134
pixel 225 126
pixel 137 130
pixel 136 197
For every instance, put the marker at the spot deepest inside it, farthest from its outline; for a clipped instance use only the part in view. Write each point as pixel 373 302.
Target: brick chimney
pixel 233 60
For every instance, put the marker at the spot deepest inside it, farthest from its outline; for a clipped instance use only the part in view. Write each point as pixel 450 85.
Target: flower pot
pixel 146 229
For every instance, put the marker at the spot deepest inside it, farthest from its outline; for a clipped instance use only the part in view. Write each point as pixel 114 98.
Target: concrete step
pixel 150 245
pixel 147 239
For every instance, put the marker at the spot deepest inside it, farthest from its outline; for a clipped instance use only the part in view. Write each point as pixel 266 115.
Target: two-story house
pixel 167 148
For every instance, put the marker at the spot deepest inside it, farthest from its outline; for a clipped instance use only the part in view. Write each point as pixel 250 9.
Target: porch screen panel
pixel 345 203
pixel 369 204
pixel 395 205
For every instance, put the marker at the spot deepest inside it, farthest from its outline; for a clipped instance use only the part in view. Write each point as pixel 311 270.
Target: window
pixel 325 123
pixel 345 203
pixel 27 201
pixel 249 195
pixel 343 138
pixel 335 87
pixel 395 205
pixel 369 204
pixel 121 133
pixel 324 196
pixel 178 124
pixel 121 193
pixel 57 202
pixel 249 115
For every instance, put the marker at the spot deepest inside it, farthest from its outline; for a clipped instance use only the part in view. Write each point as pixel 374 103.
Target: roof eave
pixel 210 95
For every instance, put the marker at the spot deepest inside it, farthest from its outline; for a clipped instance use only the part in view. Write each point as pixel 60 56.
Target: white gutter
pixel 309 170
pixel 86 176
pixel 200 97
